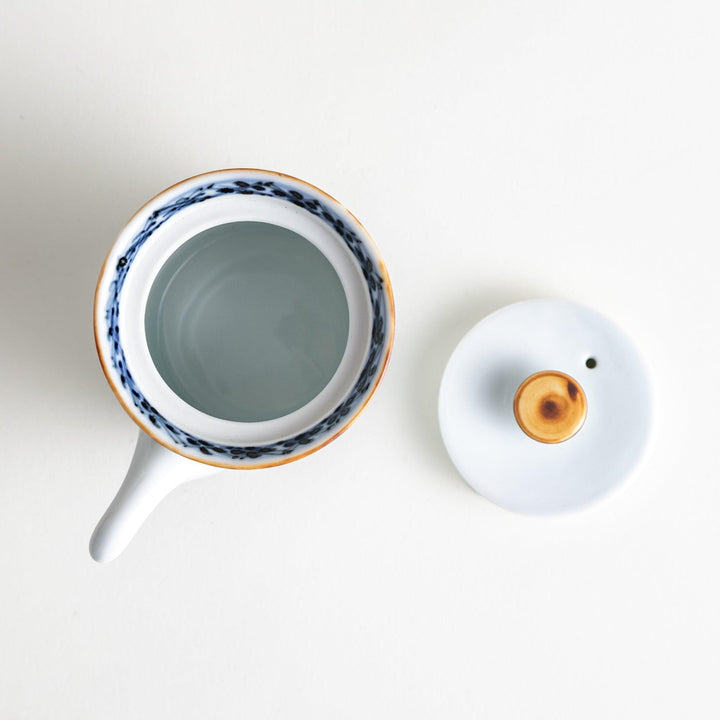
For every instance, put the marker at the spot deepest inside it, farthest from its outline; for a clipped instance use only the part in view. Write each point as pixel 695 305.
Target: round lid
pixel 545 406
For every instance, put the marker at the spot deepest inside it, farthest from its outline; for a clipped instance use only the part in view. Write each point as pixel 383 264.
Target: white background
pixel 497 151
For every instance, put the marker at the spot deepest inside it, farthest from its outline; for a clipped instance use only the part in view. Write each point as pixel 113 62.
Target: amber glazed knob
pixel 550 406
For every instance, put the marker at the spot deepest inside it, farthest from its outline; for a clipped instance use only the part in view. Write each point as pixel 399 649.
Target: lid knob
pixel 550 406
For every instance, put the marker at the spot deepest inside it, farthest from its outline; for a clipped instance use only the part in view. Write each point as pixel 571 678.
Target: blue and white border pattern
pixel 376 291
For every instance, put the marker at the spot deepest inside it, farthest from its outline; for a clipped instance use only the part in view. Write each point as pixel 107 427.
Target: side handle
pixel 154 472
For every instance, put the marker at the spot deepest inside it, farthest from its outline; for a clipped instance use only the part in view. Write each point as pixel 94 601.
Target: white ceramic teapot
pixel 243 319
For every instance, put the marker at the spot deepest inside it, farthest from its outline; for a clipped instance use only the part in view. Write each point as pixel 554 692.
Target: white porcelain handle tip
pixel 153 473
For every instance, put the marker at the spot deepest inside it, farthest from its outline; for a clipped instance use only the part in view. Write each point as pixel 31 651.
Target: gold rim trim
pixel 282 461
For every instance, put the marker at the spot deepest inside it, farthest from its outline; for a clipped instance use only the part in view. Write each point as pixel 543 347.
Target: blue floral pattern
pixel 376 291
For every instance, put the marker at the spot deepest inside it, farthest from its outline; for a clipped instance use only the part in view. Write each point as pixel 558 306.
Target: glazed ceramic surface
pixel 482 434
pixel 247 321
pixel 550 406
pixel 338 390
pixel 243 318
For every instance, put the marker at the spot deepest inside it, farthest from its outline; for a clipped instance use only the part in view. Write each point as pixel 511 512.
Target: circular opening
pixel 591 363
pixel 247 321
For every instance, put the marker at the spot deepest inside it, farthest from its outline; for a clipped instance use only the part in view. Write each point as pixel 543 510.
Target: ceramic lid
pixel 545 406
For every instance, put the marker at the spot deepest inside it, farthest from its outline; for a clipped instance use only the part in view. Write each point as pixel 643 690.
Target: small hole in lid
pixel 591 362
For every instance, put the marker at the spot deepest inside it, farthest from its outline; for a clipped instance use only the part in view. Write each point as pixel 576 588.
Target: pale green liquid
pixel 247 321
